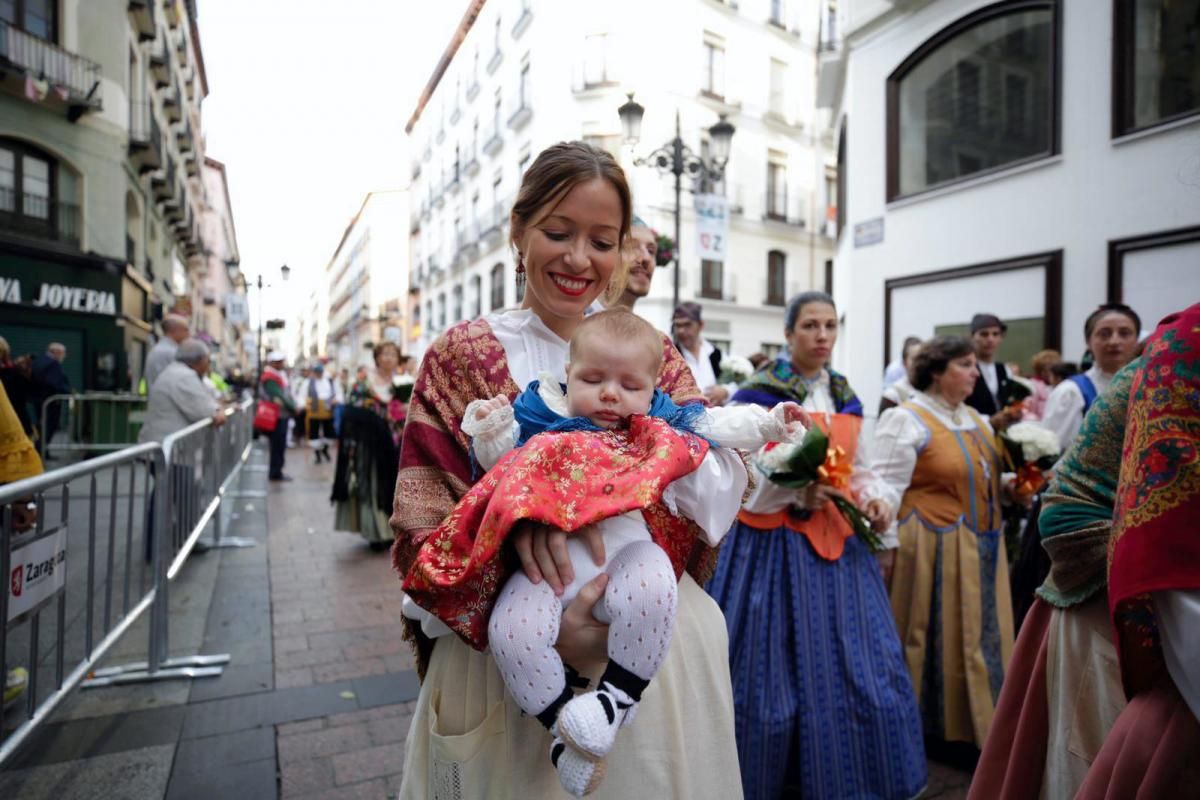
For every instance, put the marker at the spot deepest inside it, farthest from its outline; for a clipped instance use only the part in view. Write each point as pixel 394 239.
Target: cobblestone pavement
pixel 335 616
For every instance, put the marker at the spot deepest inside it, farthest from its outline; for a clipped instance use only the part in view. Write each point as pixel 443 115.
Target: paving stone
pixel 97 736
pixel 313 777
pixel 369 790
pixel 326 742
pixel 237 679
pixel 141 773
pixel 254 779
pixel 364 764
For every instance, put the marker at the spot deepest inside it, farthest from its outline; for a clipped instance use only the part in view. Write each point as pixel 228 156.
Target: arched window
pixel 476 296
pixel 456 312
pixel 497 286
pixel 980 95
pixel 30 204
pixel 776 278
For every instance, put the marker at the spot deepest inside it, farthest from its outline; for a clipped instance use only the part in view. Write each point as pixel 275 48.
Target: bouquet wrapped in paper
pixel 1014 392
pixel 799 464
pixel 735 369
pixel 1030 449
pixel 402 389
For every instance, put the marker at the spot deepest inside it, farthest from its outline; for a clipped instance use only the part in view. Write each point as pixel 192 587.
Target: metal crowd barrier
pixel 95 422
pixel 66 613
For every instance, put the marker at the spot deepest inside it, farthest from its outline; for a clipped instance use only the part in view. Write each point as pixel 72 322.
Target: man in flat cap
pixel 987 333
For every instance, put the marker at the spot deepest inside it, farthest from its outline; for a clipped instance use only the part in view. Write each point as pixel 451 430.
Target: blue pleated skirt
pixel 822 696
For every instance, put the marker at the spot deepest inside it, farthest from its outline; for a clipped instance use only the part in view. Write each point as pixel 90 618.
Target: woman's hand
pixel 887 560
pixel 1013 497
pixel 795 417
pixel 582 640
pixel 543 553
pixel 485 409
pixel 816 495
pixel 879 514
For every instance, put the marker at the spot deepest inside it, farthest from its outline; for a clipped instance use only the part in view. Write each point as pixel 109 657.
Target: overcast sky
pixel 306 107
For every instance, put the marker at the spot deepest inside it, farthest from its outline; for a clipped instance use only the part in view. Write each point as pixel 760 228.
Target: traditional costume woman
pixel 1154 576
pixel 949 586
pixel 466 730
pixel 822 696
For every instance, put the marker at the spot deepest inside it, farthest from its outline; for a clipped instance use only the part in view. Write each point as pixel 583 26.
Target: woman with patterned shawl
pixel 949 588
pixel 1047 730
pixel 822 697
pixel 570 219
pixel 1154 576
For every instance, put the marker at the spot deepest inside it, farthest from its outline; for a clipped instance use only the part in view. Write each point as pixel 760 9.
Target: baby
pixel 615 358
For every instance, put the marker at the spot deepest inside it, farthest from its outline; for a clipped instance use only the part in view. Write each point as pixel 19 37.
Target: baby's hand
pixel 797 418
pixel 484 410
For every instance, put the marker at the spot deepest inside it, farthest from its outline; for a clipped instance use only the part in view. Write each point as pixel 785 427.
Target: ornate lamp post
pixel 677 159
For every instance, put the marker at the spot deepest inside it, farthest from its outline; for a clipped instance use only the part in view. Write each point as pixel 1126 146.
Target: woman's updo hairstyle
pixel 379 348
pixel 933 358
pixel 556 171
pixel 1089 325
pixel 797 304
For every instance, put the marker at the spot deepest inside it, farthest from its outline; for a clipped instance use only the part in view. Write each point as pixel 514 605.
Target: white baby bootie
pixel 589 723
pixel 578 774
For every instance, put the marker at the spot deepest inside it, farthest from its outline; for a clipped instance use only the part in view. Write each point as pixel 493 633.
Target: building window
pixel 595 60
pixel 29 201
pixel 776 102
pixel 456 308
pixel 497 286
pixel 476 297
pixel 778 11
pixel 523 85
pixel 429 314
pixel 1156 52
pixel 441 310
pixel 776 185
pixel 714 66
pixel 980 95
pixel 36 17
pixel 771 350
pixel 712 279
pixel 776 278
pixel 520 292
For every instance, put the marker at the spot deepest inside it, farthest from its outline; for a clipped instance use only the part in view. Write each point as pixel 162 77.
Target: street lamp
pixel 677 159
pixel 284 271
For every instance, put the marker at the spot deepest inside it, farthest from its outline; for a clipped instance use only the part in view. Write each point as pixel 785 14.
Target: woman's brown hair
pixel 379 348
pixel 934 357
pixel 556 171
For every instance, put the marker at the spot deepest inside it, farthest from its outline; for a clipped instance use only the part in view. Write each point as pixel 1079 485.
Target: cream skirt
pixel 469 741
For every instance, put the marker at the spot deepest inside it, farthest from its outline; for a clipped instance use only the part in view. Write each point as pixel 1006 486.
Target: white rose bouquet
pixel 735 369
pixel 1030 449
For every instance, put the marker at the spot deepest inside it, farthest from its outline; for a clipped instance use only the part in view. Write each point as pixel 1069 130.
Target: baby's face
pixel 608 381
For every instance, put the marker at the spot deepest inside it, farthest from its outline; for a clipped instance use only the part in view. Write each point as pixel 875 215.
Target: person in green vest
pixel 274 388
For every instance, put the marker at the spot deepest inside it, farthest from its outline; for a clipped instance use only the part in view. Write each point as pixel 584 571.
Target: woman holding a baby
pixel 535 647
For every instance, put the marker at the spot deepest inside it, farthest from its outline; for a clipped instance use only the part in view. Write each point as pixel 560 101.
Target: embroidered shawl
pixel 1156 543
pixel 466 363
pixel 777 381
pixel 1075 523
pixel 564 479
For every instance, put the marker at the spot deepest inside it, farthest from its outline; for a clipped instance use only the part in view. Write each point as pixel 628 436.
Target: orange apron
pixel 826 529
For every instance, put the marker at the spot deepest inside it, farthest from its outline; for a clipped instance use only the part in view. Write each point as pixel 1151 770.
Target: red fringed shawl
pixel 564 480
pixel 466 363
pixel 1155 545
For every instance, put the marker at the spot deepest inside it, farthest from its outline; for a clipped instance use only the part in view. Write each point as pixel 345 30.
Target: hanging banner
pixel 237 311
pixel 712 226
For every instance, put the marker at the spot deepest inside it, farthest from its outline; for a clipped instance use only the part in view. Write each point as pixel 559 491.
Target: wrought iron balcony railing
pixel 52 71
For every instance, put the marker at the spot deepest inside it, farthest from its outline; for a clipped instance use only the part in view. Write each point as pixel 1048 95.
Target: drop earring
pixel 520 271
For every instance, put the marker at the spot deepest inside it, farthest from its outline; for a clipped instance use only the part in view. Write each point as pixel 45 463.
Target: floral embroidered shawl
pixel 777 381
pixel 466 363
pixel 564 479
pixel 1156 545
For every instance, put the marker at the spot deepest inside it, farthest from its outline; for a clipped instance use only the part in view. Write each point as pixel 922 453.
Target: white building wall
pixel 1096 190
pixel 562 108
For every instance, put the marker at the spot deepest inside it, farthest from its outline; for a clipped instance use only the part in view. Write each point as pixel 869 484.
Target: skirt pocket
pixel 471 765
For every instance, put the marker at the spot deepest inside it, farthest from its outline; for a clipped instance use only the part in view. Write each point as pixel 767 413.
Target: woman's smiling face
pixel 571 251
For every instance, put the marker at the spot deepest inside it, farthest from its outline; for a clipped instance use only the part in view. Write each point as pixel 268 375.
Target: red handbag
pixel 266 416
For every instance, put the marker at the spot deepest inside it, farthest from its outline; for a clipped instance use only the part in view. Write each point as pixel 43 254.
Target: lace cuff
pixel 493 426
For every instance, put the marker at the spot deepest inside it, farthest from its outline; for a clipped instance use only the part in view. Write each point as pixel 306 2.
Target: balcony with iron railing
pixel 170 104
pixel 160 67
pixel 47 74
pixel 39 217
pixel 493 140
pixel 145 138
pixel 163 182
pixel 776 209
pixel 142 12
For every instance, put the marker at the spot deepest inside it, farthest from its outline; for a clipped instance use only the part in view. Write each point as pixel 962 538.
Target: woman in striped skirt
pixel 823 702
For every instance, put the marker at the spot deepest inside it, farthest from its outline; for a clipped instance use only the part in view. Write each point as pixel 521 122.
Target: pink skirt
pixel 1152 751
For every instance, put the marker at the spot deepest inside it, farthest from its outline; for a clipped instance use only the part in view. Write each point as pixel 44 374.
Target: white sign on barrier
pixel 39 571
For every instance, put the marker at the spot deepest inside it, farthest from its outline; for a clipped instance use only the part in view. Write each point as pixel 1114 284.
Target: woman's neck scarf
pixel 778 381
pixel 534 416
pixel 1156 543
